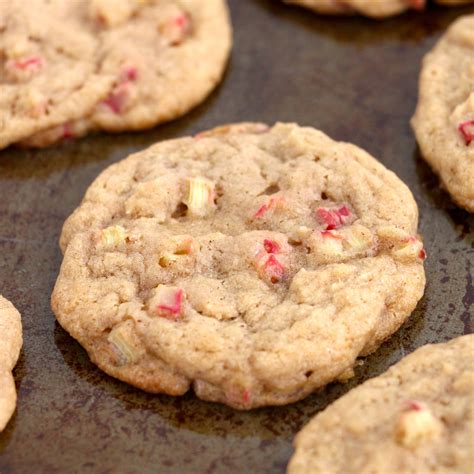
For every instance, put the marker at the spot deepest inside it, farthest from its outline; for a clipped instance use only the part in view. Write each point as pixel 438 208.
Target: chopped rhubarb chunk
pixel 167 259
pixel 358 239
pixel 200 196
pixel 177 28
pixel 417 425
pixel 333 218
pixel 413 405
pixel 271 246
pixel 32 102
pixel 113 236
pixel 184 247
pixel 169 302
pixel 182 21
pixel 273 269
pixel 411 247
pixel 68 131
pixel 262 210
pixel 129 74
pixel 331 246
pixel 272 204
pixel 270 260
pixel 332 234
pixel 181 249
pixel 326 246
pixel 33 63
pixel 120 94
pixel 117 98
pixel 238 396
pixel 23 68
pixel 122 342
pixel 467 131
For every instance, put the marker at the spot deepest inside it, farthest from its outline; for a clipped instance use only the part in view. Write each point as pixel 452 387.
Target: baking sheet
pixel 354 78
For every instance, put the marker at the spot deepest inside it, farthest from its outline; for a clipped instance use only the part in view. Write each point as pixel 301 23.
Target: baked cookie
pixel 444 118
pixel 47 67
pixel 417 417
pixel 165 57
pixel 10 345
pixel 372 8
pixel 253 263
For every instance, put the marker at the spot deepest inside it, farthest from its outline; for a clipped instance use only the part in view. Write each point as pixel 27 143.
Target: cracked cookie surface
pixel 444 118
pixel 253 263
pixel 10 345
pixel 135 63
pixel 416 417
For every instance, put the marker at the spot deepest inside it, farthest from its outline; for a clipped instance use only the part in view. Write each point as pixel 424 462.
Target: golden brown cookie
pixel 147 61
pixel 417 417
pixel 444 118
pixel 10 345
pixel 253 263
pixel 48 67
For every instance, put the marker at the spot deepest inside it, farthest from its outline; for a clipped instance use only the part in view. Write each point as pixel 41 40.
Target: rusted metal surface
pixel 354 78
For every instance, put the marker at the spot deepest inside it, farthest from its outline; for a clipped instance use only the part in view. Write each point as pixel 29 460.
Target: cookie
pixel 165 57
pixel 253 263
pixel 417 417
pixel 47 67
pixel 371 8
pixel 10 345
pixel 444 117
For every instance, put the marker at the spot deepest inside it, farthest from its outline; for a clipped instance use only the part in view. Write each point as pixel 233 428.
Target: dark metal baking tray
pixel 354 78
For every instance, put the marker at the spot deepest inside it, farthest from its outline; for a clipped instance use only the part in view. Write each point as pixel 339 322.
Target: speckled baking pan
pixel 354 78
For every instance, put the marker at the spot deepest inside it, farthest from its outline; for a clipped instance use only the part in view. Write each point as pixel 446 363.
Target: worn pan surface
pixel 354 78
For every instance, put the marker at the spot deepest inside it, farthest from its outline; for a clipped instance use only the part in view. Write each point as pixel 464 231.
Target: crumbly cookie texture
pixel 10 346
pixel 164 57
pixel 48 67
pixel 444 118
pixel 416 417
pixel 371 8
pixel 253 263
